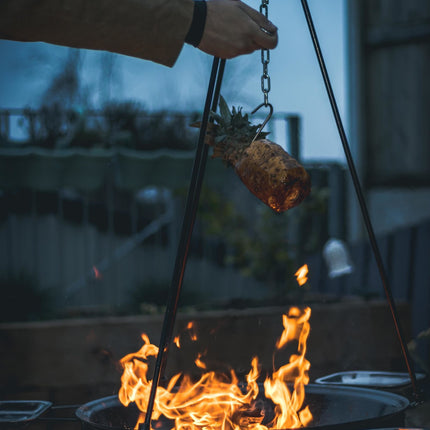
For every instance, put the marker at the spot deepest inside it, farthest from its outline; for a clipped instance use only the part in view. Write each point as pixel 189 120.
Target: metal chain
pixel 265 78
pixel 265 58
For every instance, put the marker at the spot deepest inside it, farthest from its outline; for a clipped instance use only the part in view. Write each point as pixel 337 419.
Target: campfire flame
pixel 302 275
pixel 219 401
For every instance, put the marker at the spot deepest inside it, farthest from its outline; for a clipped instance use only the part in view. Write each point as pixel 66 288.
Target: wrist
pixel 195 32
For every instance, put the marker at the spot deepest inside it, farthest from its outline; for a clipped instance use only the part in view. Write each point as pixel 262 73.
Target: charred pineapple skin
pixel 272 175
pixel 266 169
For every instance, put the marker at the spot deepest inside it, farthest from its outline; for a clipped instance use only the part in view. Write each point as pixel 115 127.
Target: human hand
pixel 233 28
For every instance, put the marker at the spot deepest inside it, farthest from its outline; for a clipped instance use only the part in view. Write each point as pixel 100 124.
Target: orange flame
pixel 302 275
pixel 199 362
pixel 217 401
pixel 192 332
pixel 177 341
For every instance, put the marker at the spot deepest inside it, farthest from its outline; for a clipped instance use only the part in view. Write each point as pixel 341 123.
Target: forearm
pixel 149 29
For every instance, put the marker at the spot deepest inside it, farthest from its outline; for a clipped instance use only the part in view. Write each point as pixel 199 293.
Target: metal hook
pixel 269 115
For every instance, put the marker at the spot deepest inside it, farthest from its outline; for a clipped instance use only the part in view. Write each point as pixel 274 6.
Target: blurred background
pixel 96 153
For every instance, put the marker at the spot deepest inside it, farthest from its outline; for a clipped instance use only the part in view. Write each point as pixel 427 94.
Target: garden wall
pixel 77 360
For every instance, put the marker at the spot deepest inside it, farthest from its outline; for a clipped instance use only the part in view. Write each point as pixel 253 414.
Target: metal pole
pixel 293 135
pixel 361 200
pixel 185 238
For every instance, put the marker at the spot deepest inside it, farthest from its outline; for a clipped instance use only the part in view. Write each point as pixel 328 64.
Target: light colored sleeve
pixel 149 29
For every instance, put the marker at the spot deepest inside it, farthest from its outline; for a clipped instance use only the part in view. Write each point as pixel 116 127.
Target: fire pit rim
pixel 397 402
pixel 369 379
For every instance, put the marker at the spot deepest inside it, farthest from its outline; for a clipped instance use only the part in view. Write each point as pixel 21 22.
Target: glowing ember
pixel 302 275
pixel 217 401
pixel 96 273
pixel 191 329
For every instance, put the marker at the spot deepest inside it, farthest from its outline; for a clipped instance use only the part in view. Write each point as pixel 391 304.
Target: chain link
pixel 265 78
pixel 265 58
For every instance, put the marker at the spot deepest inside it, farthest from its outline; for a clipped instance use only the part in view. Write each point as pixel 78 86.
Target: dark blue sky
pixel 296 84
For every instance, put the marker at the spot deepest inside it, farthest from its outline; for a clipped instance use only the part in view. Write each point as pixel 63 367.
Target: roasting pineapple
pixel 266 169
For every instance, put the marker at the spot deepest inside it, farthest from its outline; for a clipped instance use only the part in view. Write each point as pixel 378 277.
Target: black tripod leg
pixel 193 197
pixel 361 200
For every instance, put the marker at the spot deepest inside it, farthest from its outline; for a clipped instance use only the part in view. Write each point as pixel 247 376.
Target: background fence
pixel 93 249
pixel 100 229
pixel 90 210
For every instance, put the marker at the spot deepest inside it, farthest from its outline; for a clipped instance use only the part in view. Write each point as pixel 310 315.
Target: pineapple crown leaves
pixel 234 125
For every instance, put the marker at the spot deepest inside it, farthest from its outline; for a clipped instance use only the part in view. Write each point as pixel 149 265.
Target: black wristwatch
pixel 195 33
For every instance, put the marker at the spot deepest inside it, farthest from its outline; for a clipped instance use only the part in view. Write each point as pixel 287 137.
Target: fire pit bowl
pixel 332 408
